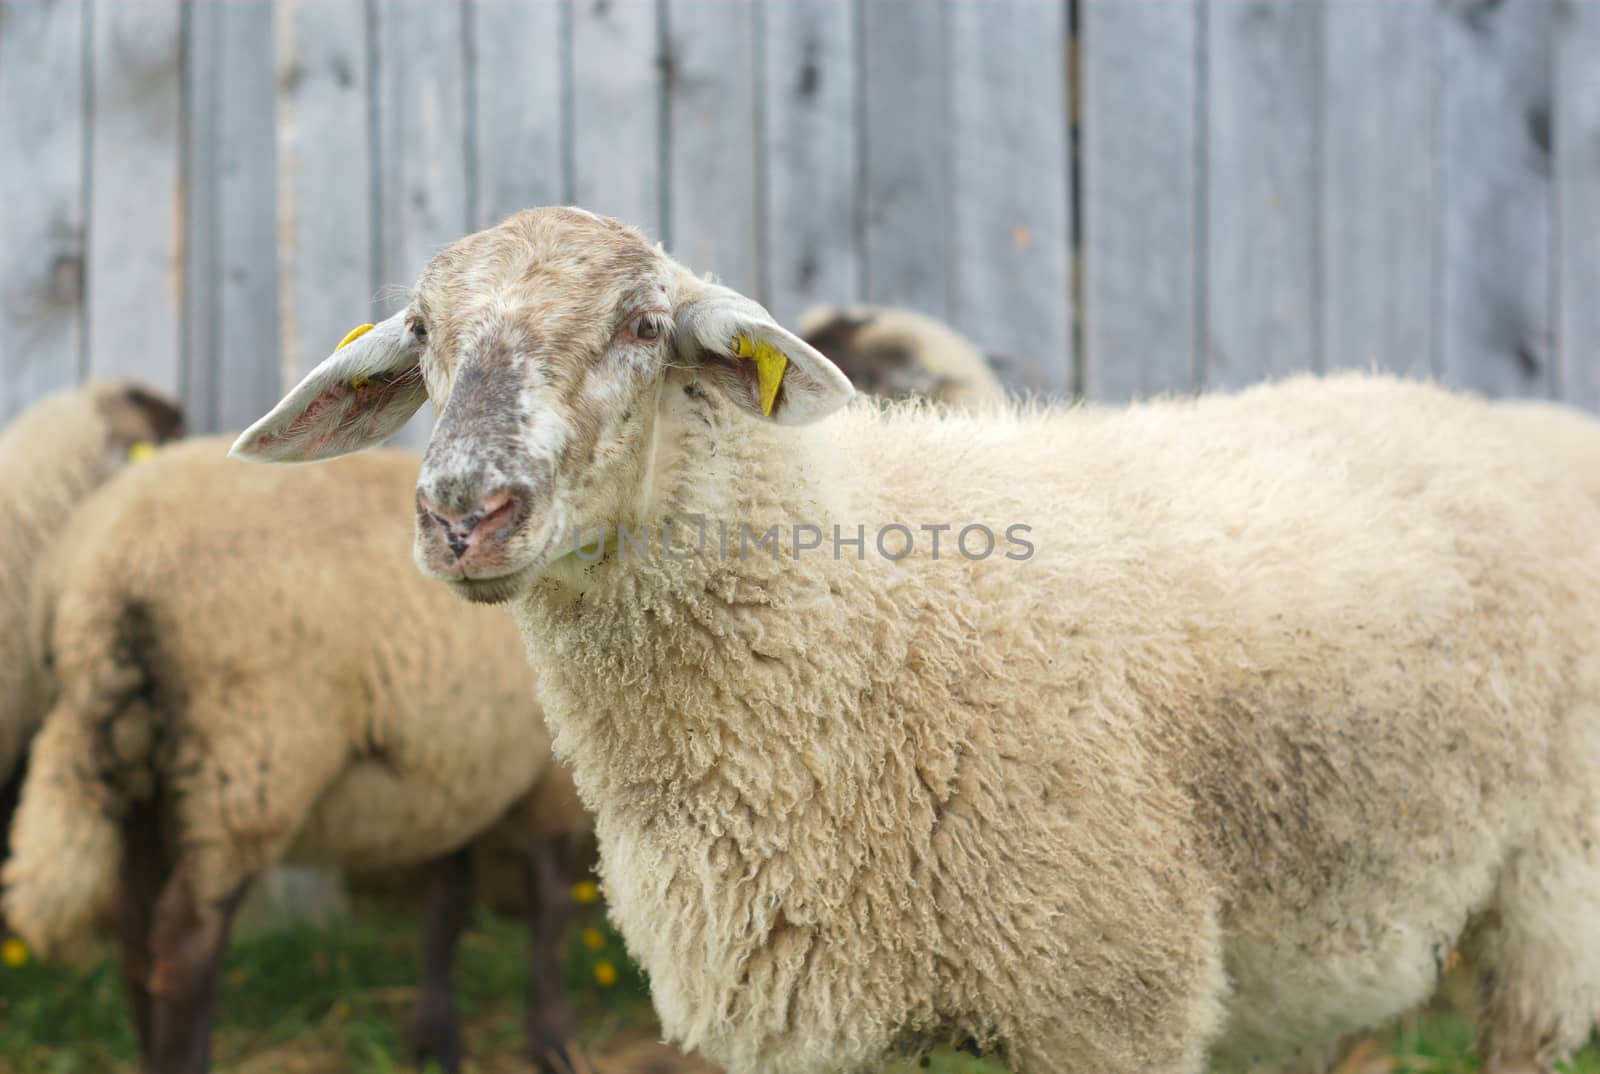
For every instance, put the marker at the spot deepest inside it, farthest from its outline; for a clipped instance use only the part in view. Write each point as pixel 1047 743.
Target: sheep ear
pixel 769 371
pixel 359 396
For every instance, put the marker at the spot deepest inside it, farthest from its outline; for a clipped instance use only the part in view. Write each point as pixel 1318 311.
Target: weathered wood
pixel 517 49
pixel 1495 184
pixel 247 195
pixel 711 168
pixel 41 199
pixel 1141 197
pixel 617 112
pixel 1267 184
pixel 134 270
pixel 231 345
pixel 1260 189
pixel 1577 147
pixel 905 143
pixel 422 150
pixel 326 269
pixel 422 136
pixel 1379 210
pixel 1010 198
pixel 812 249
pixel 204 367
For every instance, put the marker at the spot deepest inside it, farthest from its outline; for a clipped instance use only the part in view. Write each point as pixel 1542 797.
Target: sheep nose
pixel 463 530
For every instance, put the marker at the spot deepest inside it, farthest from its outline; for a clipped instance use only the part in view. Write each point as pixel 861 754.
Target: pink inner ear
pixel 354 414
pixel 311 416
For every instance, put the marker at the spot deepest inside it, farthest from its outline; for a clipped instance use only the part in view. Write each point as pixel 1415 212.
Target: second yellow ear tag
pixel 770 365
pixel 140 450
pixel 355 333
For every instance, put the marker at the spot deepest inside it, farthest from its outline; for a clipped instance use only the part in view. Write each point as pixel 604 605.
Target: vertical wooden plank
pixel 1141 197
pixel 422 136
pixel 905 146
pixel 1011 227
pixel 248 342
pixel 422 149
pixel 42 194
pixel 1495 87
pixel 1260 189
pixel 617 111
pixel 1577 145
pixel 231 294
pixel 326 269
pixel 202 289
pixel 811 250
pixel 1378 202
pixel 134 272
pixel 517 47
pixel 711 114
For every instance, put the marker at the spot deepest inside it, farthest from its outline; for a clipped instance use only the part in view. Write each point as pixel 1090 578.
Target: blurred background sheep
pixel 1120 197
pixel 219 709
pixel 50 459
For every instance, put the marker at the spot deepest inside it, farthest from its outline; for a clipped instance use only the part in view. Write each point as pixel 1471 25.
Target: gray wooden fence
pixel 1123 196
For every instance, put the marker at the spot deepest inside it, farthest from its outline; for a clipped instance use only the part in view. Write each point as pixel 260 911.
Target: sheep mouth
pixel 496 590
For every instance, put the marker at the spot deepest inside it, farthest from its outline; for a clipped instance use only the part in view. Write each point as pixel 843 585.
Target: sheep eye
pixel 645 328
pixel 419 331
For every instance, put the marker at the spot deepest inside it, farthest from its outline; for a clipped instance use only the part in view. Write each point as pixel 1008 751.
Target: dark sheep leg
pixel 186 946
pixel 434 1029
pixel 144 872
pixel 550 1017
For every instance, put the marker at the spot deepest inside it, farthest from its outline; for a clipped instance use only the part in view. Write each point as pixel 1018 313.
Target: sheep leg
pixel 187 943
pixel 1539 953
pixel 144 868
pixel 551 1021
pixel 434 1030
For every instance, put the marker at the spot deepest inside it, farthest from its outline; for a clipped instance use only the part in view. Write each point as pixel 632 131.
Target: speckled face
pixel 544 341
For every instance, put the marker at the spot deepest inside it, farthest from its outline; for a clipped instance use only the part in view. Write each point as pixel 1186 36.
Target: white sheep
pixel 1278 698
pixel 902 354
pixel 51 455
pixel 224 707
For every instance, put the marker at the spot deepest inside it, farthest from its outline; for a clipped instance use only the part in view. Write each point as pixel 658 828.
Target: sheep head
pixel 545 344
pixel 134 421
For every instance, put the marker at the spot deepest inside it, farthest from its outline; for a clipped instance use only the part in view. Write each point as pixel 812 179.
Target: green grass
pixel 314 1001
pixel 344 991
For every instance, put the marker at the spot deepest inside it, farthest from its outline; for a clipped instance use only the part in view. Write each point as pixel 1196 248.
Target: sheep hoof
pixel 555 1053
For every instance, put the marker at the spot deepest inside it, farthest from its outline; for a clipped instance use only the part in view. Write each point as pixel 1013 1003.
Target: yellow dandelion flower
pixel 605 974
pixel 594 939
pixel 585 891
pixel 14 953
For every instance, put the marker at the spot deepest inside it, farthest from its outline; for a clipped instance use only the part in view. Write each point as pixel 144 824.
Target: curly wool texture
pixel 1298 684
pixel 255 646
pixel 51 456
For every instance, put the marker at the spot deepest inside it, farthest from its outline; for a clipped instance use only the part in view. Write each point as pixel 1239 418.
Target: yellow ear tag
pixel 354 334
pixel 770 365
pixel 140 450
pixel 359 381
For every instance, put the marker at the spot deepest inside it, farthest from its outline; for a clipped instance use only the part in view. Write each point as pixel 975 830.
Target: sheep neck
pixel 682 682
